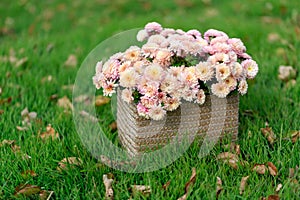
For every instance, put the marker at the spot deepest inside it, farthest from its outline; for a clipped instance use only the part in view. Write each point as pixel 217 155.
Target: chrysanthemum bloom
pixel 192 48
pixel 133 53
pixel 125 65
pixel 142 110
pixel 237 45
pixel 177 47
pixel 200 97
pixel 110 67
pixel 219 39
pixel 180 32
pixel 140 65
pixel 232 56
pixel 98 67
pixel 153 27
pixel 127 95
pixel 176 71
pixel 212 33
pixel 189 76
pixel 167 31
pixel 169 84
pixel 204 71
pixel 243 87
pixel 251 68
pixel 237 71
pixel 220 90
pixel 157 39
pixel 142 35
pixel 231 82
pixel 146 87
pixel 154 72
pixel 163 57
pixel 188 94
pixel 149 102
pixel 221 48
pixel 98 80
pixel 221 57
pixel 109 88
pixel 157 113
pixel 194 33
pixel 222 71
pixel 149 49
pixel 171 103
pixel 129 78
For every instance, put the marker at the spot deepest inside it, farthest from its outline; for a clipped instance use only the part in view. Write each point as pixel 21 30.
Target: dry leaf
pixel 141 189
pixel 166 185
pixel 88 116
pixel 295 136
pixel 71 61
pixel 1 112
pixel 278 188
pixel 269 134
pixel 15 148
pixel 68 87
pixel 81 98
pixel 116 164
pixel 273 197
pixel 243 184
pixel 65 103
pixel 101 100
pixel 113 126
pixel 21 128
pixel 229 158
pixel 109 193
pixel 70 161
pixel 45 195
pixel 0 90
pixel 28 173
pixel 273 37
pixel 219 187
pixel 48 78
pixel 21 62
pixel 260 168
pixel 286 73
pixel 26 190
pixel 189 184
pixel 50 133
pixel 7 142
pixel 272 169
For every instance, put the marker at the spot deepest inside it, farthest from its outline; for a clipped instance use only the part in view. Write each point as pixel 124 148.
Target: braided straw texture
pixel 138 134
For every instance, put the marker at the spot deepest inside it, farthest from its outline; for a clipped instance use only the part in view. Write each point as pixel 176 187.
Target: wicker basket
pixel 138 135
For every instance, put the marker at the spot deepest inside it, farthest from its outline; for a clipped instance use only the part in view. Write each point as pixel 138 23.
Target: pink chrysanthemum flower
pixel 231 82
pixel 157 113
pixel 129 78
pixel 167 31
pixel 251 68
pixel 157 39
pixel 125 65
pixel 222 71
pixel 109 88
pixel 237 45
pixel 212 33
pixel 154 72
pixel 171 103
pixel 153 27
pixel 220 90
pixel 127 95
pixel 142 35
pixel 237 71
pixel 243 87
pixel 163 57
pixel 200 97
pixel 142 110
pixel 194 33
pixel 204 71
pixel 133 53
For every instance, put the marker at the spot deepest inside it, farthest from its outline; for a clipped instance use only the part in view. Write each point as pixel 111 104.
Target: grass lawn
pixel 36 39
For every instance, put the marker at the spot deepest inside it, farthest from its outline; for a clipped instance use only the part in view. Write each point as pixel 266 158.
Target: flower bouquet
pixel 172 69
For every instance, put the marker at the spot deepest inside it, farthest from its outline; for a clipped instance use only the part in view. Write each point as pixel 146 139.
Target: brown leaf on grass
pixel 7 142
pixel 21 128
pixel 243 184
pixel 1 112
pixel 229 158
pixel 116 164
pixel 50 133
pixel 286 73
pixel 219 187
pixel 28 173
pixel 189 184
pixel 278 188
pixel 141 189
pixel 65 163
pixel 109 193
pixel 27 117
pixel 26 190
pixel 260 168
pixel 269 134
pixel 101 100
pixel 45 79
pixel 71 61
pixel 22 62
pixel 272 169
pixel 273 197
pixel 88 116
pixel 65 103
pixel 45 195
pixel 67 87
pixel 273 37
pixel 15 148
pixel 295 136
pixel 113 126
pixel 81 98
pixel 166 185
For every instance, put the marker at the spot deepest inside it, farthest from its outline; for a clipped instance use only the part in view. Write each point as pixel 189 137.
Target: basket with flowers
pixel 171 70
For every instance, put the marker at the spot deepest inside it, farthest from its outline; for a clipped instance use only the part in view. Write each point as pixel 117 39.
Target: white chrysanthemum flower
pixel 149 49
pixel 204 71
pixel 231 82
pixel 237 71
pixel 167 31
pixel 222 71
pixel 124 66
pixel 98 67
pixel 251 68
pixel 200 97
pixel 171 104
pixel 133 53
pixel 157 113
pixel 169 84
pixel 220 90
pixel 154 72
pixel 109 88
pixel 157 39
pixel 127 95
pixel 128 78
pixel 243 87
pixel 142 35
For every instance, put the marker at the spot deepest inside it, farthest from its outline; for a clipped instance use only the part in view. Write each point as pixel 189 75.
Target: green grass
pixel 76 27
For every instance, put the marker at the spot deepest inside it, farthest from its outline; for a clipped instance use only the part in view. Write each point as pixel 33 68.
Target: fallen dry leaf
pixel 68 87
pixel 45 195
pixel 219 187
pixel 116 164
pixel 269 134
pixel 243 184
pixel 272 169
pixel 260 168
pixel 109 193
pixel 71 61
pixel 189 184
pixel 65 103
pixel 22 62
pixel 50 133
pixel 27 117
pixel 88 116
pixel 81 98
pixel 273 197
pixel 7 142
pixel 113 126
pixel 28 173
pixel 26 190
pixel 278 188
pixel 21 128
pixel 141 189
pixel 15 148
pixel 101 100
pixel 48 78
pixel 166 185
pixel 273 37
pixel 68 162
pixel 286 73
pixel 229 158
pixel 295 136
